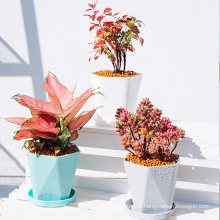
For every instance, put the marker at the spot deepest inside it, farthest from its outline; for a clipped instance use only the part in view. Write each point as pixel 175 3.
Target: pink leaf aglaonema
pixel 54 123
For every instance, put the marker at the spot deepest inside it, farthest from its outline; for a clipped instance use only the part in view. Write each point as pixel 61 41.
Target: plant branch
pixel 171 151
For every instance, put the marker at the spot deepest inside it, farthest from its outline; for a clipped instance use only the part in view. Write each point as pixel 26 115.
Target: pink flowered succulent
pixel 146 134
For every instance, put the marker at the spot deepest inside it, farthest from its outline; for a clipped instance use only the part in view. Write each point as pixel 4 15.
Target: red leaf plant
pixel 145 134
pixel 56 123
pixel 114 35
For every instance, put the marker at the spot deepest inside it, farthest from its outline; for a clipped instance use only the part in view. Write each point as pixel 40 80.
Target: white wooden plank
pixel 184 161
pixel 122 154
pixel 103 152
pixel 99 163
pixel 93 204
pixel 121 177
pixel 198 175
pixel 101 175
pixel 197 187
pixel 23 210
pixel 197 193
pixel 110 185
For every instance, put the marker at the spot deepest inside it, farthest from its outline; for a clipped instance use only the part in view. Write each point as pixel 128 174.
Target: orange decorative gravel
pixel 49 152
pixel 151 162
pixel 110 73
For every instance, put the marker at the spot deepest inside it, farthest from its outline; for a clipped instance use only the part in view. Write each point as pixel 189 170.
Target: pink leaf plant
pixel 114 35
pixel 56 123
pixel 146 134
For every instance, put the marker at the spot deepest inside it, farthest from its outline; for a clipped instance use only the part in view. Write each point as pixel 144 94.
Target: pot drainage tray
pixel 52 204
pixel 146 216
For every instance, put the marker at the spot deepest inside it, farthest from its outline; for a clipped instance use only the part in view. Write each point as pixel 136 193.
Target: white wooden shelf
pixel 91 204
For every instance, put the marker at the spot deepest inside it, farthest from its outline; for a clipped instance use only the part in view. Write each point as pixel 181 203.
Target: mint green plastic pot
pixel 52 177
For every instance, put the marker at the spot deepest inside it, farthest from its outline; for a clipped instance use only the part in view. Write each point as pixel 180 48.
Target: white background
pixel 179 59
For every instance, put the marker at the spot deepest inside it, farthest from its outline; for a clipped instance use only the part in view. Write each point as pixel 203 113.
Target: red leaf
pixel 113 29
pixel 130 49
pixel 36 106
pixel 88 9
pixel 17 120
pixel 96 57
pixel 107 10
pixel 125 16
pixel 74 135
pixel 118 26
pixel 91 5
pixel 46 135
pixel 23 134
pixel 112 45
pixel 92 27
pixel 81 120
pixel 95 3
pixel 99 44
pixel 73 110
pixel 99 18
pixel 100 32
pixel 58 93
pixel 43 123
pixel 90 59
pixel 108 23
pixel 96 12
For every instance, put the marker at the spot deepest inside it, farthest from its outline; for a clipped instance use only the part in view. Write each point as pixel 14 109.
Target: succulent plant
pixel 145 133
pixel 56 123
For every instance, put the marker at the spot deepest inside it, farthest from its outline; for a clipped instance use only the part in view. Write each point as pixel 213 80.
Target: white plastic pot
pixel 152 188
pixel 119 92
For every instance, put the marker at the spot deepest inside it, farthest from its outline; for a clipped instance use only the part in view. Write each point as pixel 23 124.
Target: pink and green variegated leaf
pixel 68 108
pixel 73 110
pixel 23 134
pixel 43 123
pixel 58 93
pixel 46 135
pixel 74 135
pixel 81 120
pixel 37 106
pixel 33 111
pixel 17 120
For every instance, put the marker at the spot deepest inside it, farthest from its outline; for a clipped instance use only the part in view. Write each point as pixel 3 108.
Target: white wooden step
pixel 91 204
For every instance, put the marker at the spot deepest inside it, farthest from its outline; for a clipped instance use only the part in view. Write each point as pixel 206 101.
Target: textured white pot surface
pixel 152 188
pixel 119 92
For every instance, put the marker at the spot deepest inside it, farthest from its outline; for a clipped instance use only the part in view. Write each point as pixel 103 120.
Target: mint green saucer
pixel 52 204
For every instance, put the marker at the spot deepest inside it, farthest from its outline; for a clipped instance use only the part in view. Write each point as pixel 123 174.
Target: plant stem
pixel 124 61
pixel 171 151
pixel 132 134
pixel 130 151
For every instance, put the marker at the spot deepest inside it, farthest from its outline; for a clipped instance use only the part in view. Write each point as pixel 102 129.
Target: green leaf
pixel 138 21
pixel 26 145
pixel 120 21
pixel 110 54
pixel 106 34
pixel 134 18
pixel 104 46
pixel 64 138
pixel 131 35
pixel 130 24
